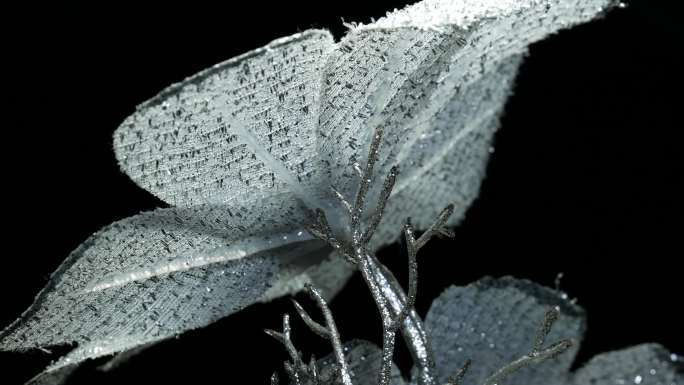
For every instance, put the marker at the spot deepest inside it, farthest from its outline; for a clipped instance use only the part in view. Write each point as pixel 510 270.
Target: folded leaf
pixel 495 321
pixel 236 132
pixel 647 364
pixel 158 274
pixel 243 148
pixel 447 162
pixel 410 73
pixel 364 359
pixel 54 375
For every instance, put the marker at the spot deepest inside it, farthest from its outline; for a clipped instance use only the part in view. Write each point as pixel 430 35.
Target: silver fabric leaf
pixel 411 73
pixel 244 148
pixel 293 118
pixel 493 322
pixel 237 132
pixel 157 274
pixel 364 359
pixel 647 364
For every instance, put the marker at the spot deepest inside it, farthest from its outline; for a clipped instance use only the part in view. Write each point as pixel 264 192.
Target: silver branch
pixel 328 332
pixel 538 353
pixel 396 307
pixel 457 378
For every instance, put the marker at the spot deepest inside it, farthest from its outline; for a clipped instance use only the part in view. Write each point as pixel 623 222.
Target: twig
pixel 321 229
pixel 538 354
pixel 342 200
pixel 412 252
pixel 296 368
pixel 550 317
pixel 438 228
pixel 313 370
pixel 380 208
pixel 458 376
pixel 293 372
pixel 328 332
pixel 388 335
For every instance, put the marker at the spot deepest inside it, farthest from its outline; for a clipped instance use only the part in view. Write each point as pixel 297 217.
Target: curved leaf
pixel 647 364
pixel 409 71
pixel 364 359
pixel 447 163
pixel 245 146
pixel 495 321
pixel 157 274
pixel 238 131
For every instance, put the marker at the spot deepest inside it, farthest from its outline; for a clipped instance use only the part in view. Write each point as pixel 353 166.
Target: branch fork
pixel 395 305
pixel 356 252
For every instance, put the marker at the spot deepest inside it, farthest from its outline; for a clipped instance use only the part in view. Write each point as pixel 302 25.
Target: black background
pixel 586 178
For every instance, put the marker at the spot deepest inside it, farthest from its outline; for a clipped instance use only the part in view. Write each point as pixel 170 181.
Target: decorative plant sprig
pixel 357 252
pixel 245 151
pixel 458 376
pixel 538 354
pixel 377 279
pixel 647 364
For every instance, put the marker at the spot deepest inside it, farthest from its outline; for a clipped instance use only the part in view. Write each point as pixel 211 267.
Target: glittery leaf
pixel 647 364
pixel 236 132
pixel 435 77
pixel 364 360
pixel 54 375
pixel 495 321
pixel 157 274
pixel 244 147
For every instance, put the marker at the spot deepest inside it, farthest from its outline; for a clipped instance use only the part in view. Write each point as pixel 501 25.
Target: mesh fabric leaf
pixel 412 73
pixel 244 147
pixel 364 359
pixel 495 321
pixel 647 364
